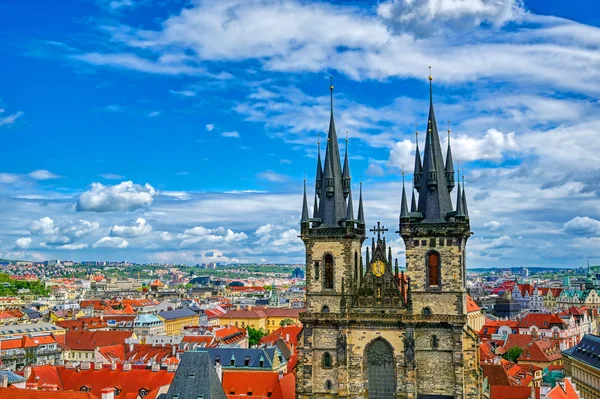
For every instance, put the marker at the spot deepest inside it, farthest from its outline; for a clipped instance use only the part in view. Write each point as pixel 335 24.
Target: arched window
pixel 326 360
pixel 356 265
pixel 433 269
pixel 317 270
pixel 434 342
pixel 328 385
pixel 328 271
pixel 325 309
pixel 426 311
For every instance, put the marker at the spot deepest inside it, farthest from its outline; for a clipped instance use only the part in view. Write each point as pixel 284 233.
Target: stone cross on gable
pixel 379 229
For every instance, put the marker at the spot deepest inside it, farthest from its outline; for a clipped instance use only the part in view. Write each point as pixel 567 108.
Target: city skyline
pixel 145 131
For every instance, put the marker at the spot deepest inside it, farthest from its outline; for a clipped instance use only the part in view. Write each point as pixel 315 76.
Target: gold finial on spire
pixel 448 132
pixel 346 137
pixel 331 82
pixel 430 77
pixel 318 138
pixel 417 130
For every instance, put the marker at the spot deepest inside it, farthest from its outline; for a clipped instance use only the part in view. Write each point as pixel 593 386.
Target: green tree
pixel 254 335
pixel 287 322
pixel 513 354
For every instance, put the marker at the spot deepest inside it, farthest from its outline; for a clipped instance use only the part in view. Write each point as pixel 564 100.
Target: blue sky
pixel 180 131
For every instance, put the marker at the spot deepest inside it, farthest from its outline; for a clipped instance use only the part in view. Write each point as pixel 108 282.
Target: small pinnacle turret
pixel 404 205
pixel 350 211
pixel 413 202
pixel 304 206
pixel 464 197
pixel 319 176
pixel 449 164
pixel 361 212
pixel 346 172
pixel 418 170
pixel 460 213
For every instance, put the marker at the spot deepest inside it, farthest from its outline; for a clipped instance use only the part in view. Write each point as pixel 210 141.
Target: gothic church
pixel 369 330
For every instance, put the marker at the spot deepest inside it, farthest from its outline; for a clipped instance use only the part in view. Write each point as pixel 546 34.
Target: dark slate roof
pixel 177 313
pixel 195 377
pixel 239 355
pixel 586 351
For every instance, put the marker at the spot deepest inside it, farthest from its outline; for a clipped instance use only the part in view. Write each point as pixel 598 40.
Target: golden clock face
pixel 378 268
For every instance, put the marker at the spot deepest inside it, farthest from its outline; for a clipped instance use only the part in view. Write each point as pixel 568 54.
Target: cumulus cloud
pixel 273 177
pixel 427 17
pixel 137 229
pixel 492 225
pixel 111 242
pixel 111 176
pixel 202 235
pixel 43 175
pixel 9 119
pixel 23 243
pixel 277 238
pixel 210 127
pixel 45 226
pixel 403 155
pixel 582 226
pixel 124 197
pixel 493 146
pixel 72 247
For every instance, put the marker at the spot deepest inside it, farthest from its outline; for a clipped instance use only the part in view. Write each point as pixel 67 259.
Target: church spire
pixel 464 196
pixel 332 204
pixel 413 202
pixel 434 197
pixel 319 175
pixel 418 165
pixel 350 209
pixel 346 172
pixel 361 212
pixel 315 208
pixel 460 212
pixel 404 205
pixel 449 164
pixel 304 206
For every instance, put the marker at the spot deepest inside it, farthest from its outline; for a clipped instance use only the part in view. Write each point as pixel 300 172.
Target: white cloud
pixel 202 235
pixel 9 178
pixel 582 226
pixel 43 175
pixel 137 229
pixel 153 114
pixel 111 176
pixel 111 242
pixel 180 195
pixel 427 17
pixel 493 225
pixel 493 146
pixel 185 93
pixel 124 197
pixel 234 135
pixel 23 243
pixel 403 155
pixel 273 177
pixel 210 127
pixel 45 226
pixel 10 119
pixel 72 247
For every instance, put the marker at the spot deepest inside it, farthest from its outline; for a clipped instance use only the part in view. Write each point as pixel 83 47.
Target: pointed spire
pixel 319 175
pixel 332 202
pixel 315 208
pixel 418 169
pixel 464 196
pixel 350 212
pixel 413 202
pixel 404 206
pixel 304 206
pixel 434 198
pixel 367 258
pixel 361 213
pixel 346 172
pixel 460 212
pixel 449 165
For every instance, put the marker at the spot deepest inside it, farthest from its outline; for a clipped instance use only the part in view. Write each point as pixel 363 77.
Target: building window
pixel 434 342
pixel 356 265
pixel 433 269
pixel 426 311
pixel 317 270
pixel 325 309
pixel 328 271
pixel 326 360
pixel 328 385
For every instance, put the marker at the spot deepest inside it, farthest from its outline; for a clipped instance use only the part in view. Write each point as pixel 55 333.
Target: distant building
pixel 582 364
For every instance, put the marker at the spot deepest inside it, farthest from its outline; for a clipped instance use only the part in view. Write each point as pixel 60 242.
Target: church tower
pixel 369 330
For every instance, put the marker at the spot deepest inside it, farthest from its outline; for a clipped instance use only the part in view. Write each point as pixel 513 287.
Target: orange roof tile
pixel 471 305
pixel 503 392
pixel 563 391
pixel 89 340
pixel 16 393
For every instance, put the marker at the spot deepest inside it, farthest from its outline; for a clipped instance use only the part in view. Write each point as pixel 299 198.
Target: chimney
pixel 85 366
pixel 130 346
pixel 126 366
pixel 31 385
pixel 155 367
pixel 5 381
pixel 27 372
pixel 97 365
pixel 287 337
pixel 173 349
pixel 113 366
pixel 108 393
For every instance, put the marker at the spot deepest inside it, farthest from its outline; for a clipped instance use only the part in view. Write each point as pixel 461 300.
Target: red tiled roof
pixel 563 391
pixel 471 305
pixel 290 332
pixel 46 374
pixel 27 342
pixel 520 340
pixel 260 383
pixel 144 353
pixel 541 350
pixel 113 352
pixel 89 340
pixel 244 314
pixel 512 392
pixel 495 374
pixel 16 393
pixel 542 320
pixel 129 381
pixel 286 389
